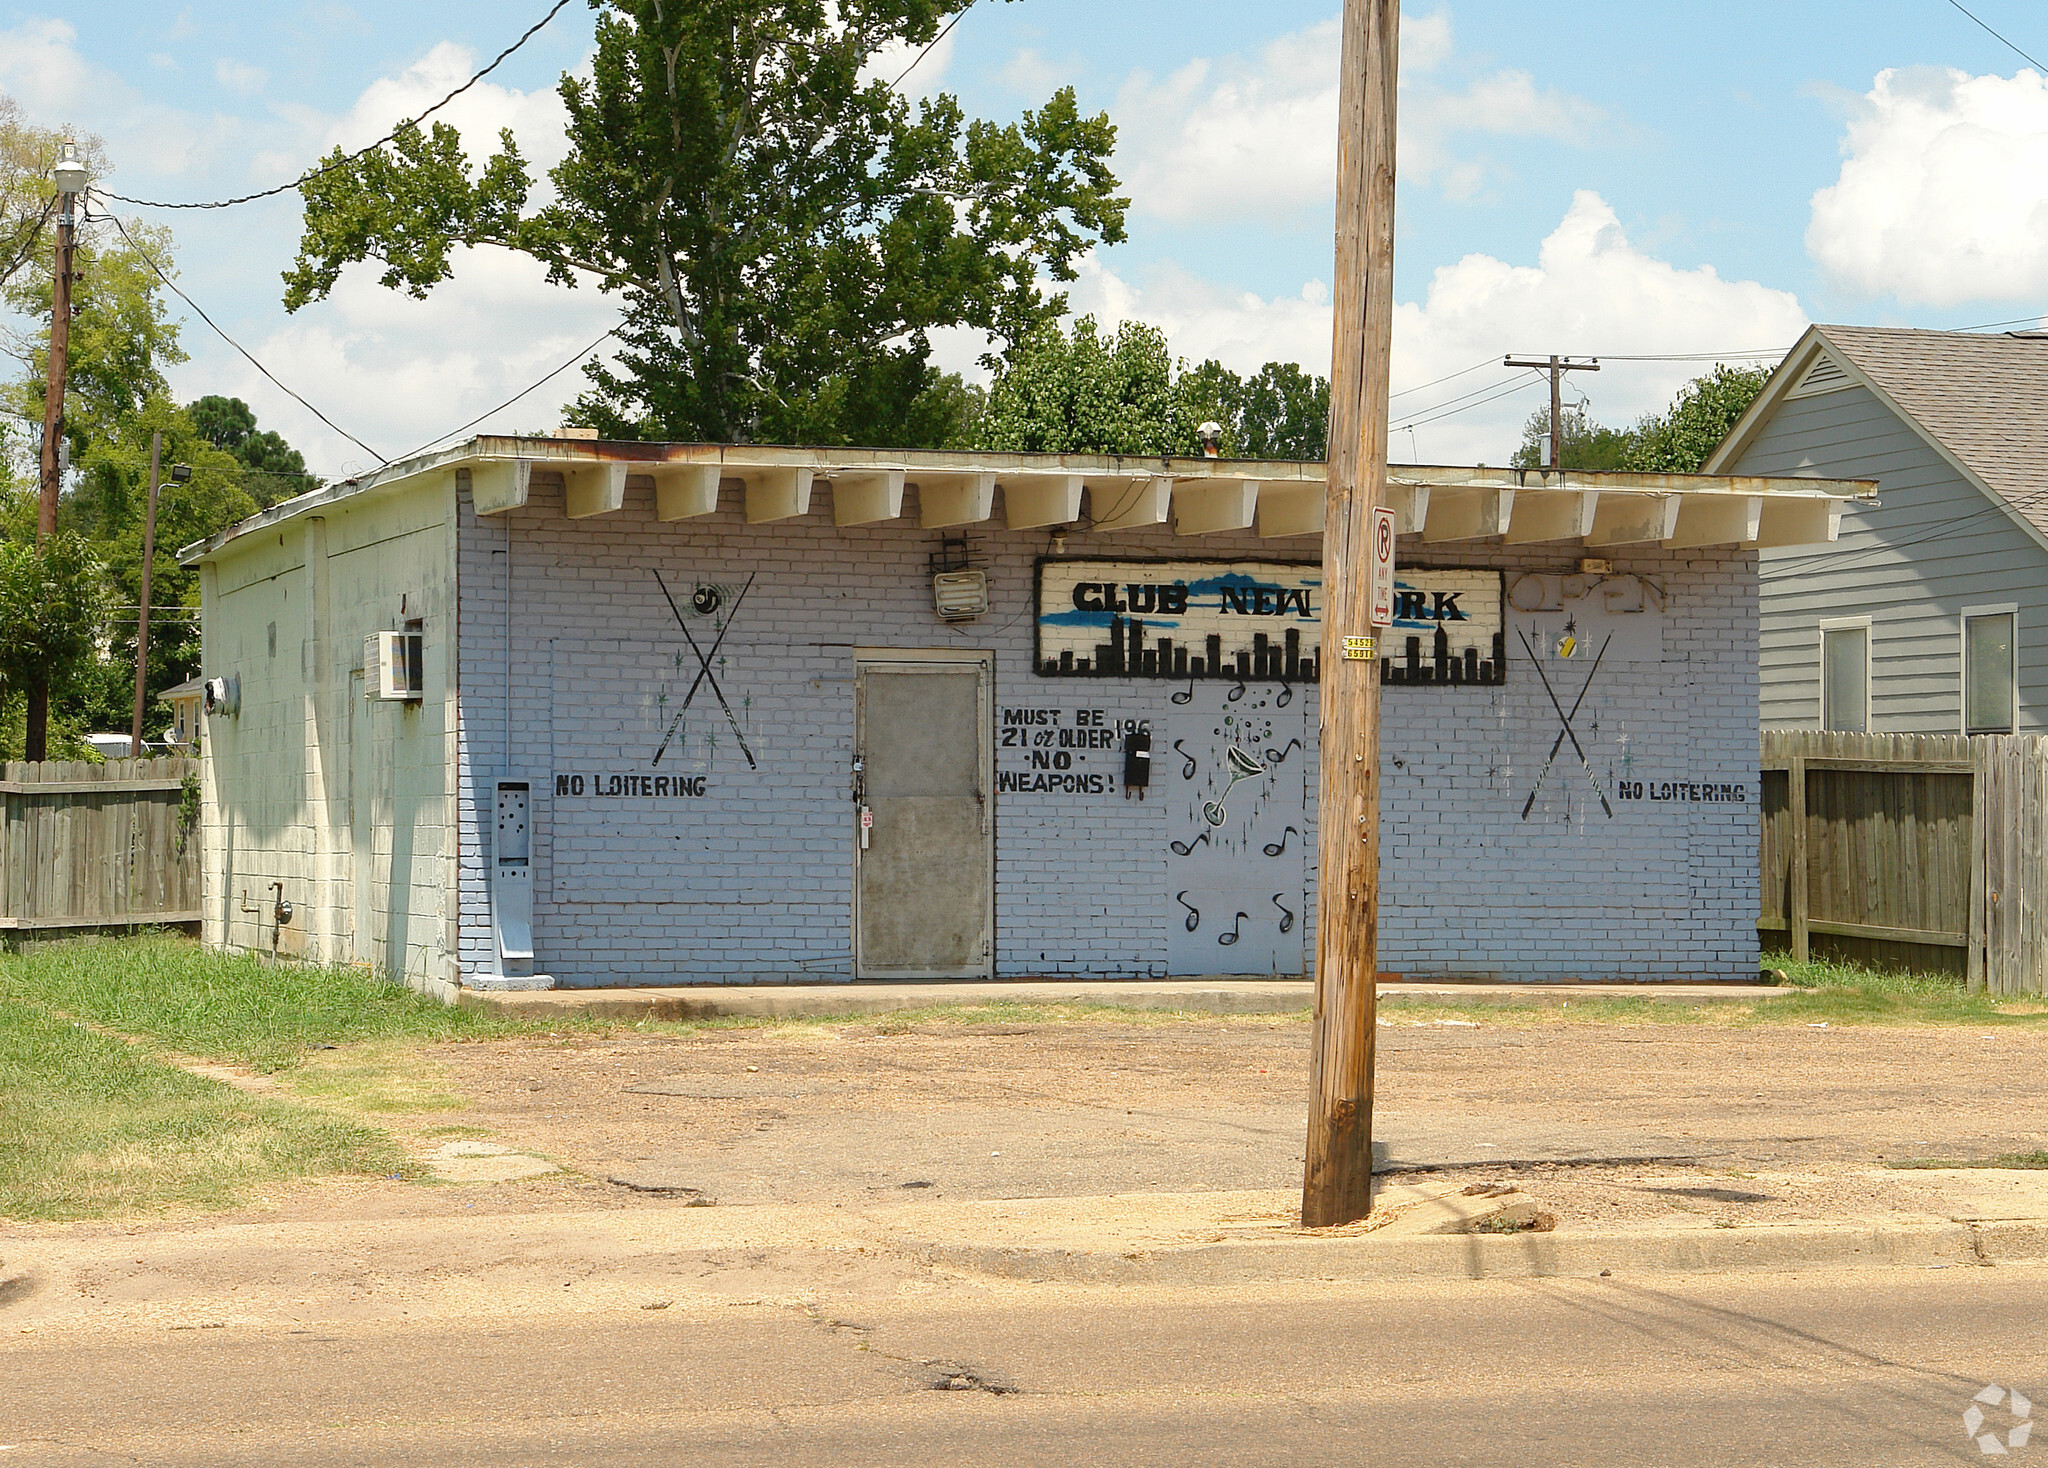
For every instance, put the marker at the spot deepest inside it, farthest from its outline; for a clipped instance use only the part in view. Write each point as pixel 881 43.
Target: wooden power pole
pixel 1556 367
pixel 70 177
pixel 156 455
pixel 1337 1176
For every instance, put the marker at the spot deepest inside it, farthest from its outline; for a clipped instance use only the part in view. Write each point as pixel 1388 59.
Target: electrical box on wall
pixel 394 666
pixel 512 875
pixel 960 596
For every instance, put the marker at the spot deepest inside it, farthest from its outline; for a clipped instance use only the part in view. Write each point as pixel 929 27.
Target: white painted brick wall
pixel 753 883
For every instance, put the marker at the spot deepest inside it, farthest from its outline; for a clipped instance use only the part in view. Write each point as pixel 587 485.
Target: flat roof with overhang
pixel 1275 499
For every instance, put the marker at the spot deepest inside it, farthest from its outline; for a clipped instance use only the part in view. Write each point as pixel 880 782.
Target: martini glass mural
pixel 1242 767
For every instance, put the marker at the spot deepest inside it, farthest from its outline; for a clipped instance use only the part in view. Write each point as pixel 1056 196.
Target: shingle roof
pixel 1983 398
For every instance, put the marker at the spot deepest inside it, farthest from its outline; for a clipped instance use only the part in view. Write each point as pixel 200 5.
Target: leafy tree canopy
pixel 123 338
pixel 1083 392
pixel 784 230
pixel 276 470
pixel 1681 439
pixel 1676 441
pixel 27 154
pixel 1588 446
pixel 123 342
pixel 53 609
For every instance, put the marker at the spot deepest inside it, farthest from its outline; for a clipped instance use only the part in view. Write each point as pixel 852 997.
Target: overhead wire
pixel 172 286
pixel 1518 385
pixel 530 387
pixel 2003 41
pixel 28 246
pixel 1435 381
pixel 915 61
pixel 326 168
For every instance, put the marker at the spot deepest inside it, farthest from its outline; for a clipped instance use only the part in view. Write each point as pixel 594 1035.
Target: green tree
pixel 108 506
pixel 1590 447
pixel 53 611
pixel 1679 440
pixel 783 234
pixel 123 341
pixel 1067 392
pixel 1285 414
pixel 26 192
pixel 276 470
pixel 123 338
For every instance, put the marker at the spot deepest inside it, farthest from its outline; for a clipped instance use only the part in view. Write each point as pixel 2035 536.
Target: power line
pixel 326 168
pixel 1486 361
pixel 28 246
pixel 1509 391
pixel 530 387
pixel 172 286
pixel 928 47
pixel 2002 40
pixel 1449 402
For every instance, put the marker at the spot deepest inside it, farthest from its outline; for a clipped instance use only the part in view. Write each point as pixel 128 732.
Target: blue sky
pixel 1635 180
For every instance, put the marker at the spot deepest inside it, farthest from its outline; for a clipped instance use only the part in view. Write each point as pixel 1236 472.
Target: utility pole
pixel 71 178
pixel 1337 1175
pixel 1556 367
pixel 156 453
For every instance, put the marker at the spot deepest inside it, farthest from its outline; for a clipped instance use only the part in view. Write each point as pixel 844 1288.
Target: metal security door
pixel 924 849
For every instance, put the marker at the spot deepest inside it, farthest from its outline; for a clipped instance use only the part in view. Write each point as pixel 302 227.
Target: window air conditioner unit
pixel 394 666
pixel 960 596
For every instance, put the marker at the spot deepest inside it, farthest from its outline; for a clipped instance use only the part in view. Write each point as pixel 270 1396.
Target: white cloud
pixel 1589 292
pixel 1943 193
pixel 239 76
pixel 537 118
pixel 41 68
pixel 1241 138
pixel 893 61
pixel 393 370
pixel 398 372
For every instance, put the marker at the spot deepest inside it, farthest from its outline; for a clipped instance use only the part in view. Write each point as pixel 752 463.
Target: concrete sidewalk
pixel 1204 996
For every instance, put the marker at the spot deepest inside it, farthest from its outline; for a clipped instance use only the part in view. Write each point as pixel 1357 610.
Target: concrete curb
pixel 1511 1256
pixel 1249 996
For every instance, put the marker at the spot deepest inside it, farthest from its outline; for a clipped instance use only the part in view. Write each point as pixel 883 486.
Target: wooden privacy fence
pixel 1920 851
pixel 90 846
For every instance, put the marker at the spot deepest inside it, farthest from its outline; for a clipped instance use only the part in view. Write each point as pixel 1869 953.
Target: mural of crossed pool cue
pixel 704 673
pixel 1565 730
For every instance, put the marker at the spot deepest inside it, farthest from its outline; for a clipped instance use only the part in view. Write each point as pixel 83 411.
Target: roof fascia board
pixel 825 461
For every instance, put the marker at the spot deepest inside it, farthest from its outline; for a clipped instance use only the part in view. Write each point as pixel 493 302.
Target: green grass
pixel 2018 1161
pixel 237 1009
pixel 91 1126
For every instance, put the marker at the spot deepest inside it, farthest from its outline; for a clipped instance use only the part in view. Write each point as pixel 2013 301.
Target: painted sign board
pixel 1256 621
pixel 1235 620
pixel 1446 629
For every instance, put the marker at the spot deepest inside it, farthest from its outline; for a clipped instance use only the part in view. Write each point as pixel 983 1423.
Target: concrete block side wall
pixel 343 801
pixel 752 881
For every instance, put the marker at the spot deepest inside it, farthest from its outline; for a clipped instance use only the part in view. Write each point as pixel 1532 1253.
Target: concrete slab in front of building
pixel 667 715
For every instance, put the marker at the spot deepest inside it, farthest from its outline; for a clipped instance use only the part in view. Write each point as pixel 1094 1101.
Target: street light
pixel 70 172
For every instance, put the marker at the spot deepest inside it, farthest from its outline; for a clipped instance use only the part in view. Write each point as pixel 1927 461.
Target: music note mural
pixel 1237 829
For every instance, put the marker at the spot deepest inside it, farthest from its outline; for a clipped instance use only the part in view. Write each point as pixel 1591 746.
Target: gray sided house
pixel 534 711
pixel 1929 615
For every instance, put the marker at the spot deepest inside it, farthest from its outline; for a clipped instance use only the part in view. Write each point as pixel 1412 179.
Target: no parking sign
pixel 1382 566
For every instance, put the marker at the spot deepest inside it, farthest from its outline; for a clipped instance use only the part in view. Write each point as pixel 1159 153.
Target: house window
pixel 1845 675
pixel 1988 681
